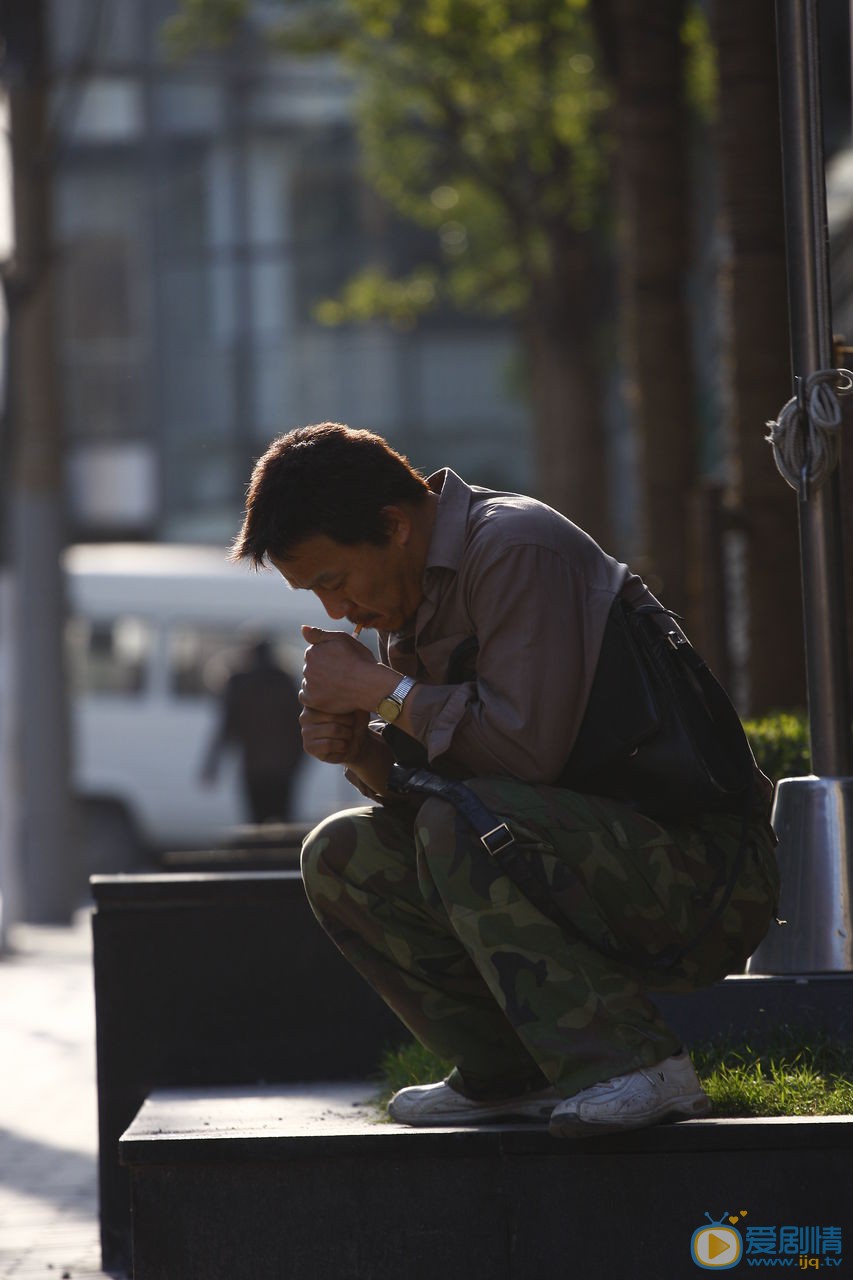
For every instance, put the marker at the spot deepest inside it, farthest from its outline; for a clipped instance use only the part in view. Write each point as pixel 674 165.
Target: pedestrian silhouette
pixel 259 718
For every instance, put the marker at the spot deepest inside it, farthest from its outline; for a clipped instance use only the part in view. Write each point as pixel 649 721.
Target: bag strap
pixel 493 832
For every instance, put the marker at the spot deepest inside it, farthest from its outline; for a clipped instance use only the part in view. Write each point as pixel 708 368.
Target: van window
pixel 108 656
pixel 202 657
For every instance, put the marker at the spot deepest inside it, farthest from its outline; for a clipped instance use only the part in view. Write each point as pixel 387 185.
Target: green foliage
pixel 483 121
pixel 797 1073
pixel 781 744
pixel 373 293
pixel 701 63
pixel 203 24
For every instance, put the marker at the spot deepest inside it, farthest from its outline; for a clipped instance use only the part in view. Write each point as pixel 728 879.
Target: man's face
pixel 378 587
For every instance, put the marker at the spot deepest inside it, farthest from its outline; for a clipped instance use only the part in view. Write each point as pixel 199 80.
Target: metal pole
pixel 813 817
pixel 811 349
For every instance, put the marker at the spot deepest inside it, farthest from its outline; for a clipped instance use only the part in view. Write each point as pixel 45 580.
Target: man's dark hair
pixel 326 479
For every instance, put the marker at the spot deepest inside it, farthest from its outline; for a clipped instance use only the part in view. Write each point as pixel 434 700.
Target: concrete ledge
pixel 159 891
pixel 753 1007
pixel 251 847
pixel 262 858
pixel 303 1182
pixel 215 979
pixel 301 1121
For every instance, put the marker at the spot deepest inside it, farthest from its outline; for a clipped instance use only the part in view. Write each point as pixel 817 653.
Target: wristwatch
pixel 390 706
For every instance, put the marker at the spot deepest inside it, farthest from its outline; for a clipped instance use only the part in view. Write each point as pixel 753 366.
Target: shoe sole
pixel 573 1126
pixel 538 1113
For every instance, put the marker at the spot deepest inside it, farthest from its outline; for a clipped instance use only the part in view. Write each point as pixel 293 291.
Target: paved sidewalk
pixel 48 1106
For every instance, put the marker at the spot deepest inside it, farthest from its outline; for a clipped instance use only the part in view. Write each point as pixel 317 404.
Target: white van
pixel 153 631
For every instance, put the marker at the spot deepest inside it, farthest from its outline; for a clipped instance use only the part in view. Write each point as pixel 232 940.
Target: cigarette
pixel 359 626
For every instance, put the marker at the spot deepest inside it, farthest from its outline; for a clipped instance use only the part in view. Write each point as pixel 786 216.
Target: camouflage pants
pixel 484 979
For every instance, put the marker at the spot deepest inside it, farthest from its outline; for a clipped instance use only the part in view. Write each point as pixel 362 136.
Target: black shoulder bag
pixel 659 731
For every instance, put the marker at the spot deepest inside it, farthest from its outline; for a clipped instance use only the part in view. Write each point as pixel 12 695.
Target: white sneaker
pixel 668 1091
pixel 439 1104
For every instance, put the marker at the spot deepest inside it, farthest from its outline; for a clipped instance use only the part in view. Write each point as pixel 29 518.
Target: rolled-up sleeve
pixel 538 645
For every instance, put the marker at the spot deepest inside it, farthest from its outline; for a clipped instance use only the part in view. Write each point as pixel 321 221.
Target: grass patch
pixel 798 1073
pixel 410 1064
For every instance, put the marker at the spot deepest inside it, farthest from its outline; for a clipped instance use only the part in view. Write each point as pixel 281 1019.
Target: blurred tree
pixel 33 491
pixel 644 53
pixel 483 122
pixel 735 85
pixel 757 366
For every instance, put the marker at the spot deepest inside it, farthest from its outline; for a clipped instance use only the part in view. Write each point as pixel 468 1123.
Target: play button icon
pixel 716 1247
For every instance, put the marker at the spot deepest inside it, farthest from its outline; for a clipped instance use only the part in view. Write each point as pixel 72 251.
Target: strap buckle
pixel 498 838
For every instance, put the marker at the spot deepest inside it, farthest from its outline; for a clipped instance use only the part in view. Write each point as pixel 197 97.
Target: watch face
pixel 392 704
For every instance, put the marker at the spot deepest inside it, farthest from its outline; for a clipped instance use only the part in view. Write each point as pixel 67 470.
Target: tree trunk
pixel 52 882
pixel 643 47
pixel 757 369
pixel 561 335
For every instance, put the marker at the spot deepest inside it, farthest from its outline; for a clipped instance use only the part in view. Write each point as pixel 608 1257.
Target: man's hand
pixel 341 685
pixel 334 739
pixel 338 674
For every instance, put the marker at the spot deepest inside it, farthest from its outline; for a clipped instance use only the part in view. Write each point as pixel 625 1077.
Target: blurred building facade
pixel 202 210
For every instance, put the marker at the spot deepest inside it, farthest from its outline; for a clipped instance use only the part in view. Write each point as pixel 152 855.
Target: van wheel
pixel 109 842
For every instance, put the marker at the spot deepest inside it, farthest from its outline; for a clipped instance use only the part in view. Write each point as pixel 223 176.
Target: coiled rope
pixel 806 436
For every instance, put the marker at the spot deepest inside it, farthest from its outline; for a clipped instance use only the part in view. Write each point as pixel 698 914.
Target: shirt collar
pixel 447 542
pixel 446 547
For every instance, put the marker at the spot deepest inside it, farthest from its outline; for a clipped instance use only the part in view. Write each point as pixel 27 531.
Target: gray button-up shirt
pixel 535 591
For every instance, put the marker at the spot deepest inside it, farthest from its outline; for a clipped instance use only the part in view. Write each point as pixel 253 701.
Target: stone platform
pixel 305 1181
